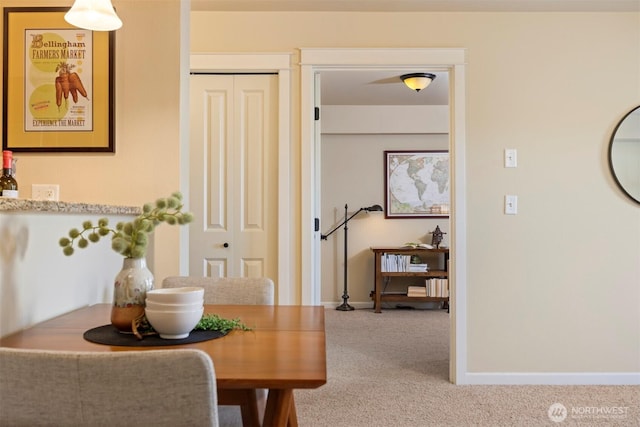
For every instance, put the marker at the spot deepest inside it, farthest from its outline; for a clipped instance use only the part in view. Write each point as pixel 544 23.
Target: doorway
pixel 452 61
pixel 364 114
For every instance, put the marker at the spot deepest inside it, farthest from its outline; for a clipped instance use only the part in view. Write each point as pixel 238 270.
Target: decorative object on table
pixel 345 294
pixel 108 335
pixel 213 322
pixel 436 239
pixel 416 184
pixel 59 91
pixel 129 289
pixel 130 239
pixel 174 312
pixel 180 296
pixel 174 324
pixel 209 322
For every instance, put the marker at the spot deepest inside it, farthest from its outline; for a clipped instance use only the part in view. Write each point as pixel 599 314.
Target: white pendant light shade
pixel 417 81
pixel 95 15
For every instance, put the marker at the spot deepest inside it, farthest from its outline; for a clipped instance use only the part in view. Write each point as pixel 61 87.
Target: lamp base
pixel 345 307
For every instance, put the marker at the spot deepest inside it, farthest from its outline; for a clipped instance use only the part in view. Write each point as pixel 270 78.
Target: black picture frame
pixel 417 184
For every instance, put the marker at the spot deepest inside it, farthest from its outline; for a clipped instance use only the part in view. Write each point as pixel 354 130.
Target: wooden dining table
pixel 284 350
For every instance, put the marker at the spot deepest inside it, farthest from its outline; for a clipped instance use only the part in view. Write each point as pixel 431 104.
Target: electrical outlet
pixel 45 192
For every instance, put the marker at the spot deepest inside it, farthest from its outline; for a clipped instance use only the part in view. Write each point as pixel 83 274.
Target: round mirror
pixel 624 154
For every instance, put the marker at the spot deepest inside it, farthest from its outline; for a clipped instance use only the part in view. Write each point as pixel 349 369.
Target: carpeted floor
pixel 391 369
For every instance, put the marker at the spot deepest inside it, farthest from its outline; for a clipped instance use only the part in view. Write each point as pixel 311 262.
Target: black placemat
pixel 109 335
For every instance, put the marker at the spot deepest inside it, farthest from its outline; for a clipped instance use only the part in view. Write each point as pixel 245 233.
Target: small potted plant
pixel 130 239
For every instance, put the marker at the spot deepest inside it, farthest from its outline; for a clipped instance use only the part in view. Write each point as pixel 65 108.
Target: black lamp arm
pixel 324 236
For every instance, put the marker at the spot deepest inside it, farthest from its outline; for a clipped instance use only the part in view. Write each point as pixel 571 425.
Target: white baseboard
pixel 551 378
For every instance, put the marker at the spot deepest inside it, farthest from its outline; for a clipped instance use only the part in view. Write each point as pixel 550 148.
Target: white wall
pixel 37 281
pixel 381 119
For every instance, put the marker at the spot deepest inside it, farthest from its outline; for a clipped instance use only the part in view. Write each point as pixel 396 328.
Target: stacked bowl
pixel 174 312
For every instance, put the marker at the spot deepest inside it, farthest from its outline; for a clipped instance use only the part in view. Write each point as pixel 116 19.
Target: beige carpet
pixel 391 369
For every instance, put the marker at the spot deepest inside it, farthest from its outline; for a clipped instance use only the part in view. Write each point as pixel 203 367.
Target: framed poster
pixel 58 84
pixel 416 184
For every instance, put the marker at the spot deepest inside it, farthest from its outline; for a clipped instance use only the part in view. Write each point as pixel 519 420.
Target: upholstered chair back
pixel 130 388
pixel 228 290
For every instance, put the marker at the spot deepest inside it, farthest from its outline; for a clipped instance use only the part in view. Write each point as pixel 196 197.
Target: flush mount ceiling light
pixel 95 15
pixel 417 81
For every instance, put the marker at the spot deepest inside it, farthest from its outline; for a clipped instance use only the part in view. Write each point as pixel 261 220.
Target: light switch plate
pixel 510 158
pixel 510 204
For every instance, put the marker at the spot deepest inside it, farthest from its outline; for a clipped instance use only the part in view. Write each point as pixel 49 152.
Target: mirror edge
pixel 610 160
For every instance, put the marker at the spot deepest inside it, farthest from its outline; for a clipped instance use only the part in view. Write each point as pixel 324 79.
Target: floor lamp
pixel 345 295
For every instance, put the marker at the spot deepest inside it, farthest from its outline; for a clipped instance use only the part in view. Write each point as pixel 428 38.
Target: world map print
pixel 417 183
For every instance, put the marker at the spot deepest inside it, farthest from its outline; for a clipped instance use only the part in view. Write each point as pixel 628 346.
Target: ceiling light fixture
pixel 417 81
pixel 95 15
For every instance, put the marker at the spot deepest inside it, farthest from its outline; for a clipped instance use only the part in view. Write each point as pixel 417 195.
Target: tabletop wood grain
pixel 284 349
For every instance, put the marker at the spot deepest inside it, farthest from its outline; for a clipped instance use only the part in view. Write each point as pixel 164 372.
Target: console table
pixel 382 278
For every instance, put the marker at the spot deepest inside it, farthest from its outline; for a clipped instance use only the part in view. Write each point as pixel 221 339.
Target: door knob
pixel 226 245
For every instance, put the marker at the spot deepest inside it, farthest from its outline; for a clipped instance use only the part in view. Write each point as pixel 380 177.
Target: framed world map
pixel 416 184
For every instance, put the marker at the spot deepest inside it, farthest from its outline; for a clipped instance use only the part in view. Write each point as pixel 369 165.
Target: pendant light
pixel 95 15
pixel 417 81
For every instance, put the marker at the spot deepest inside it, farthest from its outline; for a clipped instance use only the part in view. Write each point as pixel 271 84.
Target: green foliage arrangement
pixel 129 239
pixel 209 322
pixel 213 322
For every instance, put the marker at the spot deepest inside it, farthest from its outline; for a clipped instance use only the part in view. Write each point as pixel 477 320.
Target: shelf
pixel 402 249
pixel 434 273
pixel 404 298
pixel 382 278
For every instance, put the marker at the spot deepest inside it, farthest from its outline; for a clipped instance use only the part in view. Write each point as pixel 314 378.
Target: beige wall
pixel 555 288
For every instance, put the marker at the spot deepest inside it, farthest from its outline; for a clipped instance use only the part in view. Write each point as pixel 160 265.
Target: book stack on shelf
pixel 416 291
pixel 437 288
pixel 395 262
pixel 418 268
pixel 398 263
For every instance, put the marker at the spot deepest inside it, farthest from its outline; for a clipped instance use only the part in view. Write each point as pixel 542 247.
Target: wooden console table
pixel 382 278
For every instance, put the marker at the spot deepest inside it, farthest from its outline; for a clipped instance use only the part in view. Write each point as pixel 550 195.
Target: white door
pixel 233 176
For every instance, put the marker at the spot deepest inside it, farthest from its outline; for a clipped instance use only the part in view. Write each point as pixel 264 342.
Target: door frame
pixel 279 63
pixel 453 61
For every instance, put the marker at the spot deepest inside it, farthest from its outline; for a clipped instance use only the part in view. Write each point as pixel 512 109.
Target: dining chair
pixel 247 407
pixel 228 290
pixel 131 388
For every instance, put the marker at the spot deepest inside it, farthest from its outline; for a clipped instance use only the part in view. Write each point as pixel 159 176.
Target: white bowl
pixel 154 305
pixel 174 324
pixel 185 295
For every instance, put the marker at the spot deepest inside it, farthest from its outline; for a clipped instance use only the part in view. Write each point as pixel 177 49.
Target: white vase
pixel 129 292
